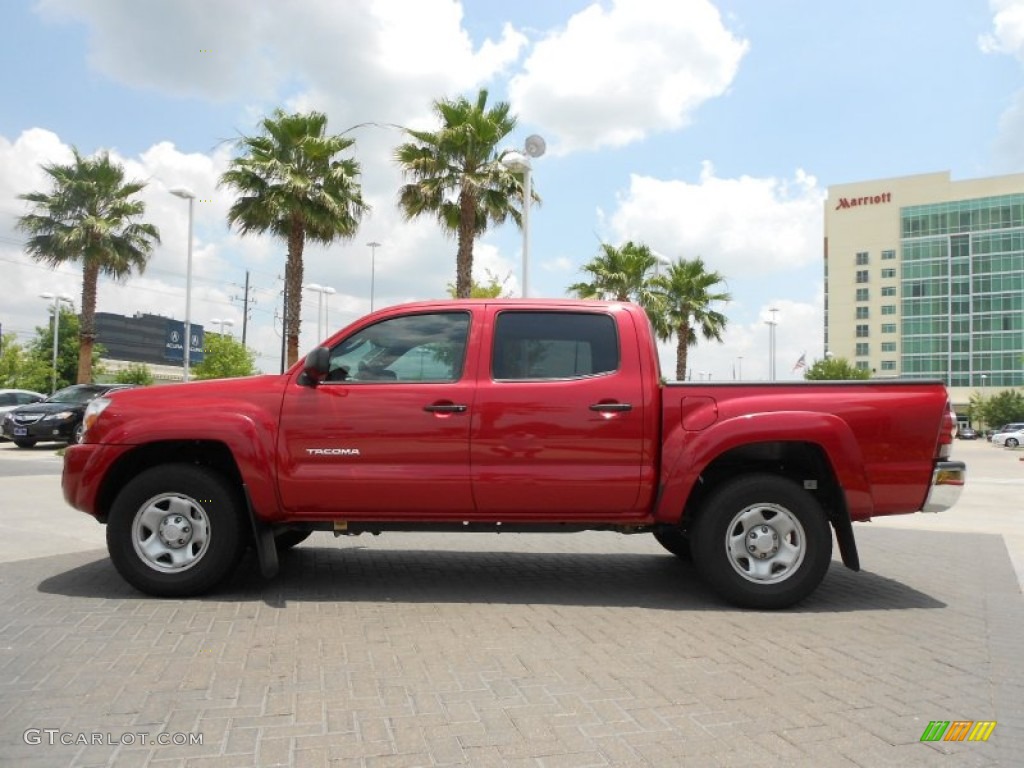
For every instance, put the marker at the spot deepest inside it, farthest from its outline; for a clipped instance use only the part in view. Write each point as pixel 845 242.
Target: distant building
pixel 150 339
pixel 924 278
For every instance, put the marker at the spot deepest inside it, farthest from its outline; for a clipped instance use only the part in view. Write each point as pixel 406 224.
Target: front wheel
pixel 176 530
pixel 762 541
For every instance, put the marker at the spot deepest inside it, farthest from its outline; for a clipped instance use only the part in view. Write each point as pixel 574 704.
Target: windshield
pixel 78 395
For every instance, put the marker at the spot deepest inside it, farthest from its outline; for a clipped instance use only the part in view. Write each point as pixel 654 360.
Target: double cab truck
pixel 510 416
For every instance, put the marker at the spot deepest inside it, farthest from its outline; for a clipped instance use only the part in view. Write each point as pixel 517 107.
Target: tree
pixel 89 216
pixel 618 274
pixel 492 289
pixel 225 358
pixel 457 176
pixel 835 369
pixel 135 373
pixel 685 295
pixel 1003 408
pixel 21 370
pixel 293 184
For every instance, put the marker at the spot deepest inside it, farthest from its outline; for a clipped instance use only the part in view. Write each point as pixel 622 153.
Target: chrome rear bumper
pixel 948 480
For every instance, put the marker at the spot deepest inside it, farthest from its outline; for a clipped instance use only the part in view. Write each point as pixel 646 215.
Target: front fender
pixel 248 433
pixel 687 453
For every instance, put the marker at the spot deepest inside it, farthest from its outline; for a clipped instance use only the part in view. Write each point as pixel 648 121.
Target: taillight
pixel 947 431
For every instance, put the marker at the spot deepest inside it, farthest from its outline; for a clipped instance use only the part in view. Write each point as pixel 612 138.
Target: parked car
pixel 967 433
pixel 1009 439
pixel 1011 427
pixel 12 398
pixel 57 418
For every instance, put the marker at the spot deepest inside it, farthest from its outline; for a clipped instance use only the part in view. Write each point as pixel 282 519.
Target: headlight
pixel 59 416
pixel 93 411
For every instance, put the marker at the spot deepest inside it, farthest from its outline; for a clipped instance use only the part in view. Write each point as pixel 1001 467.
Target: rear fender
pixel 687 453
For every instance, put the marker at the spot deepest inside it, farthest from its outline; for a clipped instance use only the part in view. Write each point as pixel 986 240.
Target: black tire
pixel 176 530
pixel 770 514
pixel 24 443
pixel 76 435
pixel 1011 442
pixel 675 541
pixel 288 539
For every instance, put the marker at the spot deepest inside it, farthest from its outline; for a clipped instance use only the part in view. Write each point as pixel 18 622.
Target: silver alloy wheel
pixel 765 543
pixel 170 532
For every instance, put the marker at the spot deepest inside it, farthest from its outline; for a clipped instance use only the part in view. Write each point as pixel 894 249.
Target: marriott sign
pixel 854 202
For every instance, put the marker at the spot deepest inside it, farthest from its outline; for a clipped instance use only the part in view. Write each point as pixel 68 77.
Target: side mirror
pixel 317 365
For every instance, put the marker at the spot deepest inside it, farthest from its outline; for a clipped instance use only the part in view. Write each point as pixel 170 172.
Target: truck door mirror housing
pixel 317 365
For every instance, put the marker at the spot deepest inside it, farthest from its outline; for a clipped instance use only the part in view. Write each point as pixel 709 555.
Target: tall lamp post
pixel 520 162
pixel 373 246
pixel 771 343
pixel 222 323
pixel 187 194
pixel 57 299
pixel 320 307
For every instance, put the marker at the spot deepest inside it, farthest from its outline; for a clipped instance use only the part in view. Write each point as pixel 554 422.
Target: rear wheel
pixel 762 541
pixel 176 530
pixel 1011 442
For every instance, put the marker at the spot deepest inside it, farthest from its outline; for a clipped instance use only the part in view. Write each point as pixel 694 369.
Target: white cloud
pixel 615 75
pixel 744 226
pixel 365 59
pixel 1008 29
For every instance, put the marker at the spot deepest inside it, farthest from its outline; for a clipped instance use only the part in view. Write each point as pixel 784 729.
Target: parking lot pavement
pixel 514 650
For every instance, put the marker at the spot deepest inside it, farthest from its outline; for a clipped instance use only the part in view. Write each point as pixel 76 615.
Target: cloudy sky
pixel 701 128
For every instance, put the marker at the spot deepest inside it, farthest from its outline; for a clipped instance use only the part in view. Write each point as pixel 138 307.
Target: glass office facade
pixel 961 288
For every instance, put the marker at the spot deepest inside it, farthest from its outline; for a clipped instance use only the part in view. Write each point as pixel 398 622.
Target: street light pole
pixel 321 310
pixel 520 161
pixel 771 343
pixel 374 245
pixel 57 299
pixel 187 194
pixel 222 323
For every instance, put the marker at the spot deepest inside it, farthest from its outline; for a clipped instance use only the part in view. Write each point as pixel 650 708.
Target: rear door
pixel 558 426
pixel 387 435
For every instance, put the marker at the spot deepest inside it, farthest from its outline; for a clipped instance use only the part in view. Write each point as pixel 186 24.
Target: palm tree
pixel 292 184
pixel 624 274
pixel 687 293
pixel 89 217
pixel 457 175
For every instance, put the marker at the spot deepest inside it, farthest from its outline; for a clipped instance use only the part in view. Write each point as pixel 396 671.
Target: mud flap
pixel 263 537
pixel 847 544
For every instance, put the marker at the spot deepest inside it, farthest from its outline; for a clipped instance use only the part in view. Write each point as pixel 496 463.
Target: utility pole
pixel 245 306
pixel 284 317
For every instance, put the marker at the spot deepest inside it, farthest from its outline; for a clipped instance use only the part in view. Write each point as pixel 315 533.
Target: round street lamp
pixel 519 162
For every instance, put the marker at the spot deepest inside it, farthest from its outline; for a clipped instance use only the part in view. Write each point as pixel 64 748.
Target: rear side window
pixel 554 345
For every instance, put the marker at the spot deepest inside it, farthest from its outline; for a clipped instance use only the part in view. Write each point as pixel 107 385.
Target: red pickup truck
pixel 508 415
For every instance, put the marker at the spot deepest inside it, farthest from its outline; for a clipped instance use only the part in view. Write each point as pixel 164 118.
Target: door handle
pixel 445 408
pixel 611 407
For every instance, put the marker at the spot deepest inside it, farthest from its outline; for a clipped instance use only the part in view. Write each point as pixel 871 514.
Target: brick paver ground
pixel 514 650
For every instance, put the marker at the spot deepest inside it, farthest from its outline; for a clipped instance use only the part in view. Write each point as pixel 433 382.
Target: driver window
pixel 427 348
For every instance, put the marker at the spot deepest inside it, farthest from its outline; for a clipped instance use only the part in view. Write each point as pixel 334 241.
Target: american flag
pixel 801 363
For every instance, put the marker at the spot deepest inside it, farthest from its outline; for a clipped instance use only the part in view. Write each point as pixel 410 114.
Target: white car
pixel 1009 439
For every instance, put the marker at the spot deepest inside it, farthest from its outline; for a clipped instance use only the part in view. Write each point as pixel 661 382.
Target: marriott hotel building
pixel 924 279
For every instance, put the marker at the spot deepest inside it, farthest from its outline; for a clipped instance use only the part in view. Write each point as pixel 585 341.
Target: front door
pixel 387 435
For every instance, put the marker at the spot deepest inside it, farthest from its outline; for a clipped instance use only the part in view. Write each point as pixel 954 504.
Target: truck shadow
pixel 361 575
